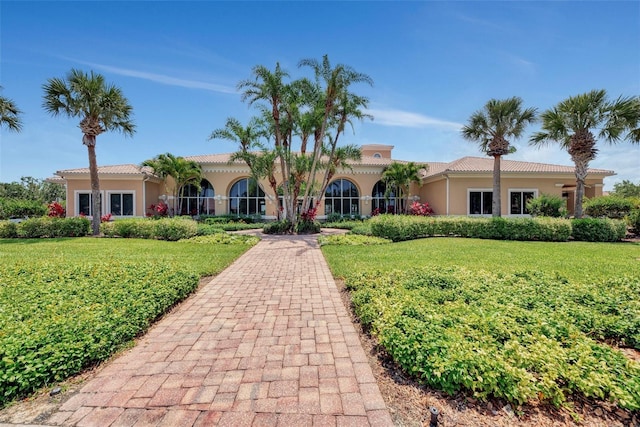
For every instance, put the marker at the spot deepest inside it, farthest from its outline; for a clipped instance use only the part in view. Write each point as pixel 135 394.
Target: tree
pixel 399 176
pixel 490 127
pixel 10 114
pixel 182 171
pixel 571 124
pixel 339 158
pixel 626 189
pixel 30 188
pixel 304 111
pixel 100 106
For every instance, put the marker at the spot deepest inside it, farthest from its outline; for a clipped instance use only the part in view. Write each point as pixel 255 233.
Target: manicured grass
pixel 66 304
pixel 573 260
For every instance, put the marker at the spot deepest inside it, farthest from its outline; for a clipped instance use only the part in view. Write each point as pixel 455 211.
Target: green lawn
pixel 573 260
pixel 66 304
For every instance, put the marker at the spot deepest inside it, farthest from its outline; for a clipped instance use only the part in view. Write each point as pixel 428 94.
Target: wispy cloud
pixel 410 120
pixel 161 78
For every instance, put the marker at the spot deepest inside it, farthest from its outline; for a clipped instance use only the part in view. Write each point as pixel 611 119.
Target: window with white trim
pixel 480 202
pixel 84 205
pixel 518 201
pixel 121 204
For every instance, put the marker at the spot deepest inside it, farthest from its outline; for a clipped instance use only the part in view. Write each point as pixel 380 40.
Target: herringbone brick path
pixel 267 342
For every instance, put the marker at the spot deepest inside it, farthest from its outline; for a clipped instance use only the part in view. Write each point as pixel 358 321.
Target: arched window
pixel 198 202
pixel 342 197
pixel 246 198
pixel 383 203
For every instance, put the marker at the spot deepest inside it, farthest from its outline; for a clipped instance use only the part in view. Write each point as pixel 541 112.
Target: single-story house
pixel 460 187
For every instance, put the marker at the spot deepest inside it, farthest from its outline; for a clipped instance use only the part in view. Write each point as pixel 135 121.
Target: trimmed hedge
pixel 351 240
pixel 34 228
pixel 613 207
pixel 408 227
pixel 598 229
pixel 277 227
pixel 522 337
pixel 171 229
pixel 21 208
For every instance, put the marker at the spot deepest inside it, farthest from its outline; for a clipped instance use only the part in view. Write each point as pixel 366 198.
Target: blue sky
pixel 433 65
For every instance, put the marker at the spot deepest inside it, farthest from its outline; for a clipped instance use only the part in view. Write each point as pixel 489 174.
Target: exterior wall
pixel 435 193
pixel 373 150
pixel 108 186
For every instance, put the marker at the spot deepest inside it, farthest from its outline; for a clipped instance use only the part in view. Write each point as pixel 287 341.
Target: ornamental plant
pixel 420 209
pixel 56 210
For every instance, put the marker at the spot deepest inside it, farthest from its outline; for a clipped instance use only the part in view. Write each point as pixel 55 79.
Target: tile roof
pixel 481 164
pixel 224 159
pixel 128 169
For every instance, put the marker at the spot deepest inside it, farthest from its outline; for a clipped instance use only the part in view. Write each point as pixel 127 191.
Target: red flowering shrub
pixel 309 215
pixel 375 212
pixel 56 210
pixel 421 209
pixel 106 218
pixel 161 209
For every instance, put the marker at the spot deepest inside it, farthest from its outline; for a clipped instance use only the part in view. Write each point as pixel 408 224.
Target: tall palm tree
pixel 9 114
pixel 247 137
pixel 400 176
pixel 100 106
pixel 336 82
pixel 182 171
pixel 571 124
pixel 490 127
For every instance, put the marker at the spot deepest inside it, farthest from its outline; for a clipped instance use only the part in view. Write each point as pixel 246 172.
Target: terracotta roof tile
pixel 127 169
pixel 481 164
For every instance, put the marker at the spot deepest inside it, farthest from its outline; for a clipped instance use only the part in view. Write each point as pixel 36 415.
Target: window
pixel 480 202
pixel 384 203
pixel 377 155
pixel 121 204
pixel 198 202
pixel 247 198
pixel 342 197
pixel 518 201
pixel 84 205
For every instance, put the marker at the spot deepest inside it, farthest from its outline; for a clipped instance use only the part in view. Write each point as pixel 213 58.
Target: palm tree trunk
pixel 96 206
pixel 496 208
pixel 581 175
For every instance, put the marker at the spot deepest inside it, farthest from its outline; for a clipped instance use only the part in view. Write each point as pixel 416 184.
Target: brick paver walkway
pixel 267 342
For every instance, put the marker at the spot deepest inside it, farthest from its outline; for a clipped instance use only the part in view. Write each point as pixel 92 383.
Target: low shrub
pixel 223 238
pixel 598 229
pixel 52 227
pixel 130 228
pixel 208 229
pixel 173 229
pixel 633 220
pixel 351 240
pixel 548 205
pixel 237 226
pixel 21 208
pixel 334 217
pixel 523 337
pixel 60 318
pixel 8 230
pixel 346 224
pixel 613 207
pixel 277 227
pixel 307 227
pixel 363 229
pixel 405 227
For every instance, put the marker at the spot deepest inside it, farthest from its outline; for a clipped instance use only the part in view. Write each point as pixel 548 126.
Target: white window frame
pixel 476 190
pixel 107 208
pixel 520 190
pixel 76 199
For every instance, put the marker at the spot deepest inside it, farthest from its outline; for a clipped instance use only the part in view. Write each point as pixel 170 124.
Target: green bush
pixel 21 208
pixel 237 226
pixel 633 220
pixel 8 230
pixel 52 227
pixel 345 224
pixel 173 229
pixel 613 207
pixel 409 227
pixel 522 337
pixel 208 229
pixel 223 219
pixel 130 228
pixel 598 229
pixel 547 205
pixel 223 239
pixel 363 228
pixel 307 227
pixel 277 227
pixel 334 217
pixel 58 319
pixel 351 240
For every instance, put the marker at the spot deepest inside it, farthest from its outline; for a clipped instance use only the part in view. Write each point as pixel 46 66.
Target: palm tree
pixel 491 126
pixel 339 159
pixel 246 137
pixel 183 172
pixel 400 176
pixel 571 122
pixel 9 114
pixel 100 106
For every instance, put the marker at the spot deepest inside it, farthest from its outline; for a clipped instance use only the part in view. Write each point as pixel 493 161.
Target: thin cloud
pixel 410 120
pixel 162 79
